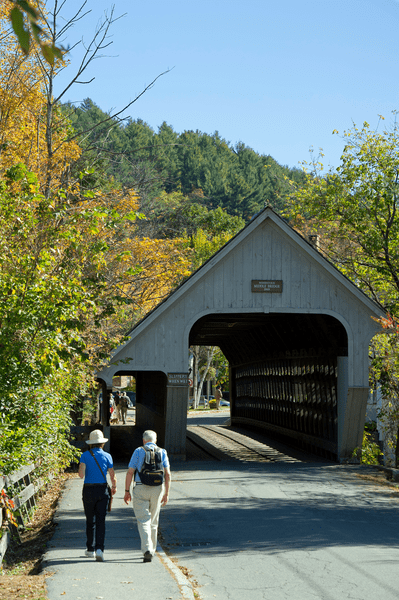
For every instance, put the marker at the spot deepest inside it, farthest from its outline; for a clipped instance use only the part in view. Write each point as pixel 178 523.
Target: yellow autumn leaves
pixel 143 270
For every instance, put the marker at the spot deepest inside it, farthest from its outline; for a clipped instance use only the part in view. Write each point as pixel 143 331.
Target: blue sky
pixel 278 76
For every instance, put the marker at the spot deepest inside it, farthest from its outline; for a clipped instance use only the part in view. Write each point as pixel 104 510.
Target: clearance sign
pixel 178 379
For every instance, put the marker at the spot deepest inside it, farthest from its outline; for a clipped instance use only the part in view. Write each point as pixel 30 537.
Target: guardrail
pixel 23 491
pixel 5 538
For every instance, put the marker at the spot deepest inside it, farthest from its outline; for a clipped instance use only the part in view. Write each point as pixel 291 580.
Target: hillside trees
pixel 199 231
pixel 232 177
pixel 355 209
pixel 23 128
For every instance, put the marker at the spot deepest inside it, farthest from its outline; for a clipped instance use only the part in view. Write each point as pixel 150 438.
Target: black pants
pixel 95 502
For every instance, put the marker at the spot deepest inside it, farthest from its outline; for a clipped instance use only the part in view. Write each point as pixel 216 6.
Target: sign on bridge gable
pixel 270 287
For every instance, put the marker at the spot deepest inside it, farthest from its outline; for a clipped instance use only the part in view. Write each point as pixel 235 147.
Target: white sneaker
pixel 89 554
pixel 99 556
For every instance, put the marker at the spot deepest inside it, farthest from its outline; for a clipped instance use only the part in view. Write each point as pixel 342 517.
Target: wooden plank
pixel 310 439
pixel 218 284
pixel 247 254
pixel 5 540
pixel 23 496
pixel 20 474
pixel 207 446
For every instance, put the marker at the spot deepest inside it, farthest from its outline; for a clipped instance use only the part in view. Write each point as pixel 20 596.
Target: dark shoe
pixel 147 556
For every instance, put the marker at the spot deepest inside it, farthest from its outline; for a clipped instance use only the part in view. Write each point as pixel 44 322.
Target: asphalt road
pixel 284 531
pixel 270 531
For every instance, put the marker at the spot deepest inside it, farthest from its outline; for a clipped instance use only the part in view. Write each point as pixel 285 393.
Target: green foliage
pixel 385 378
pixel 354 209
pixel 204 247
pixel 370 452
pixel 53 298
pixel 174 215
pixel 203 231
pixel 24 18
pixel 221 365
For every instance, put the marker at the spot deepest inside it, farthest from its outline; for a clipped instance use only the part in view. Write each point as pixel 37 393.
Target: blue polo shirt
pixel 138 456
pixel 92 472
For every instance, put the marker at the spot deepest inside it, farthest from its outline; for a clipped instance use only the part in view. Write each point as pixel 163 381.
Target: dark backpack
pixel 152 472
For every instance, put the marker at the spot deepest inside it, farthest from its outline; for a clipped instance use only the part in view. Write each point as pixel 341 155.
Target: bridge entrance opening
pixel 284 373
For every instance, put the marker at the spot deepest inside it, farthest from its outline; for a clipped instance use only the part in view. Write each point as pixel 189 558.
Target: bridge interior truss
pixel 283 373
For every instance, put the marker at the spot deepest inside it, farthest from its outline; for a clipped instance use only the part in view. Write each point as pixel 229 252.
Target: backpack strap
pixel 102 473
pixel 152 452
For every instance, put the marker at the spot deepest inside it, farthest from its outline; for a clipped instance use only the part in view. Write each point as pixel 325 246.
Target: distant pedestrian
pixel 93 467
pixel 111 404
pixel 147 499
pixel 123 404
pixel 218 397
pixel 118 406
pixel 112 410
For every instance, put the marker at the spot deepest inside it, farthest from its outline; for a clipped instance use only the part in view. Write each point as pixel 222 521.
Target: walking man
pixel 147 499
pixel 218 397
pixel 123 403
pixel 118 406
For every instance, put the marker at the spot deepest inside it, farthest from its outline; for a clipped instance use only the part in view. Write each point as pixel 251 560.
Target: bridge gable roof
pixel 268 214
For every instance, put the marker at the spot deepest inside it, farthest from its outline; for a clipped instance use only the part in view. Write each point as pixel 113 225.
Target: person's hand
pixel 165 499
pixel 127 497
pixel 113 490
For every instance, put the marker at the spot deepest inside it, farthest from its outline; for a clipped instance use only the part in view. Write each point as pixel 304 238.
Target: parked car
pixel 224 403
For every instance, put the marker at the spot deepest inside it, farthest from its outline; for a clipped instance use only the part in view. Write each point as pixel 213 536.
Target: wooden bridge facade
pixel 296 333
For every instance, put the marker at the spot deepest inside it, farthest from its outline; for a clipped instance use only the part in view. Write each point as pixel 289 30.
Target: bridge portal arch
pixel 286 371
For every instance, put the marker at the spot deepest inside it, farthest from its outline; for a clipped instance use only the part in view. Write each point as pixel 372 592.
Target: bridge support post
pixel 105 414
pixel 151 402
pixel 352 404
pixel 176 421
pixel 352 435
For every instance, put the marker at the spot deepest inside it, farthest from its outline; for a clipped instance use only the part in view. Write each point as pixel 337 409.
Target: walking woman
pixel 93 467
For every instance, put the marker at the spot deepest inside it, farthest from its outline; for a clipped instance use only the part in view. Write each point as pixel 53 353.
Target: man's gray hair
pixel 150 436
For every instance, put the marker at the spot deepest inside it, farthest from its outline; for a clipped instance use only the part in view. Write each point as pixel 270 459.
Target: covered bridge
pixel 295 331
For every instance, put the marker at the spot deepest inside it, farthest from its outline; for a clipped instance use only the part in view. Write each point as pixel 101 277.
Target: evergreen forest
pixel 203 167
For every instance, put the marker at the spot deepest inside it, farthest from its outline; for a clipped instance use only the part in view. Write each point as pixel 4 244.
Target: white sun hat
pixel 96 437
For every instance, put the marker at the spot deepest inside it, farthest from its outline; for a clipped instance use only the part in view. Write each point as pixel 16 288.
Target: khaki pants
pixel 146 506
